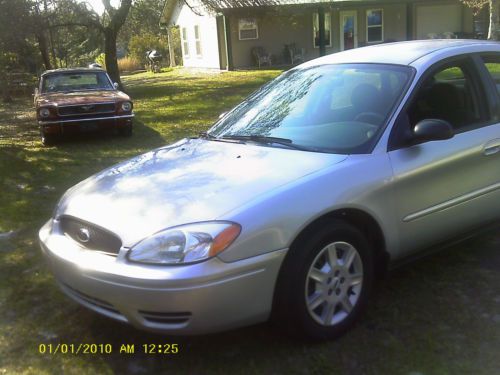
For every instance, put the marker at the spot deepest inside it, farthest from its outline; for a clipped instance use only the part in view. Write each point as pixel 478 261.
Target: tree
pixel 142 32
pixel 478 5
pixel 111 23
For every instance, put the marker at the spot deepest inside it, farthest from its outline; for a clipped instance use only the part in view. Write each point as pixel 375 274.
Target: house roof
pixel 221 5
pixel 402 53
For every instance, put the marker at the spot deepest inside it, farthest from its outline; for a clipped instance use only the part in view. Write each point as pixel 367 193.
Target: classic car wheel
pixel 325 282
pixel 48 139
pixel 125 131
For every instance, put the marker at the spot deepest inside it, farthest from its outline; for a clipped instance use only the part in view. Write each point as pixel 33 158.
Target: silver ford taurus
pixel 296 200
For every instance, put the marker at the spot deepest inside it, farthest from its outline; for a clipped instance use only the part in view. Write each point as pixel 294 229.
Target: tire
pixel 48 139
pixel 125 131
pixel 315 300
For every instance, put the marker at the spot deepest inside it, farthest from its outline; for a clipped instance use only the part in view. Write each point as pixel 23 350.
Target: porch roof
pixel 215 6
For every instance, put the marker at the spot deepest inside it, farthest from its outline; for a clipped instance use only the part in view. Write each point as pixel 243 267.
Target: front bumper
pixel 61 126
pixel 200 298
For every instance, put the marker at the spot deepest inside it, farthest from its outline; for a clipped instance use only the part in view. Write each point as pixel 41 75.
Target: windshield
pixel 330 108
pixel 71 81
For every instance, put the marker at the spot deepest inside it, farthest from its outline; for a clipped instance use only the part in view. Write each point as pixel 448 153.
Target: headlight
pixel 44 112
pixel 185 244
pixel 126 106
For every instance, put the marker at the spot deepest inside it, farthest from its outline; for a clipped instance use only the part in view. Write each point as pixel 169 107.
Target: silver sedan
pixel 294 202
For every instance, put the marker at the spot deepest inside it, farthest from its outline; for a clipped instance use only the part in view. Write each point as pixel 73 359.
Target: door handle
pixel 491 147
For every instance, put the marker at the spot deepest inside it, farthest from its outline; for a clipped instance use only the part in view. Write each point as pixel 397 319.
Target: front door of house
pixel 348 30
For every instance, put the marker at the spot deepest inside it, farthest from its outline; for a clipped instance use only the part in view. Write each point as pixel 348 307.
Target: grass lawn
pixel 437 316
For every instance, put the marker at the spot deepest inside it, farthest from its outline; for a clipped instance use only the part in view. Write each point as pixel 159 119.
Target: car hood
pixel 193 180
pixel 80 97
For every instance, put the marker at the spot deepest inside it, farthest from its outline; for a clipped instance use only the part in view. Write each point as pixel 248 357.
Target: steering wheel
pixel 370 118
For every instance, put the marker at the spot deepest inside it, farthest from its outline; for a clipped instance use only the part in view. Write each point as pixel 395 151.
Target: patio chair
pixel 261 56
pixel 296 54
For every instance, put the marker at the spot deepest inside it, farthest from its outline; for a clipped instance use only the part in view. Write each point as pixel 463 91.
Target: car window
pixel 492 64
pixel 72 81
pixel 449 95
pixel 329 108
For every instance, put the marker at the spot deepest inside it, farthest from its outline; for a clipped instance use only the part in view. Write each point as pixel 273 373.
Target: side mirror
pixel 432 130
pixel 116 85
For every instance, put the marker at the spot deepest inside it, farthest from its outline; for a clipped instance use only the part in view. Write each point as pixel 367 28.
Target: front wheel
pixel 325 282
pixel 125 131
pixel 48 139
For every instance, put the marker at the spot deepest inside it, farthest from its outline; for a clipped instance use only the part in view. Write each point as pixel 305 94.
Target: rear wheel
pixel 325 282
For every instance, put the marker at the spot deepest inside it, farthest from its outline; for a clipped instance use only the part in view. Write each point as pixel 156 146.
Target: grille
pixel 94 302
pixel 90 236
pixel 86 109
pixel 165 317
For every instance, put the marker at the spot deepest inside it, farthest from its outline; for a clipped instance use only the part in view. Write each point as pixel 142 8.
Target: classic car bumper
pixel 66 121
pixel 191 299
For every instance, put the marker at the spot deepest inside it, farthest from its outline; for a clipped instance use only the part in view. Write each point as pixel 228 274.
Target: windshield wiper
pixel 268 140
pixel 207 135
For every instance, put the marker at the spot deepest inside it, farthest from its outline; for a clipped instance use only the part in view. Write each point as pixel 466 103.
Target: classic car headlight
pixel 185 244
pixel 126 106
pixel 44 112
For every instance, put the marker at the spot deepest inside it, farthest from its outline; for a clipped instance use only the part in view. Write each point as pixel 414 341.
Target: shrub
pixel 129 64
pixel 139 44
pixel 101 60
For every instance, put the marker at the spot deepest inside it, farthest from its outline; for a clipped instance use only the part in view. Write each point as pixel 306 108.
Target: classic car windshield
pixel 329 108
pixel 76 81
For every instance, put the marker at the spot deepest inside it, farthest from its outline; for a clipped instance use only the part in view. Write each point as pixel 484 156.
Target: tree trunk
pixel 118 18
pixel 110 52
pixel 171 51
pixel 42 46
pixel 494 21
pixel 4 87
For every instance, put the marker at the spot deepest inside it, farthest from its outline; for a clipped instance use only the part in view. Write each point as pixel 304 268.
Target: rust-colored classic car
pixel 80 100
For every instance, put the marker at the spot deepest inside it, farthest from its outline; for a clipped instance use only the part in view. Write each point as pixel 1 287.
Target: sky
pixel 97 4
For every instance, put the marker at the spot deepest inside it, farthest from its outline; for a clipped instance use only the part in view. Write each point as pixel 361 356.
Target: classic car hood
pixel 193 180
pixel 81 97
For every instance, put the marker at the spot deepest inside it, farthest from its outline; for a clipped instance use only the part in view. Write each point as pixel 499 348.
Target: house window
pixel 328 30
pixel 247 28
pixel 197 39
pixel 185 44
pixel 374 25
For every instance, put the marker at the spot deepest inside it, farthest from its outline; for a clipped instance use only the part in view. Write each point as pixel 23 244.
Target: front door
pixel 348 30
pixel 445 188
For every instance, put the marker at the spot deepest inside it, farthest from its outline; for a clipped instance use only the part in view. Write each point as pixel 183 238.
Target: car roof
pixel 72 70
pixel 401 53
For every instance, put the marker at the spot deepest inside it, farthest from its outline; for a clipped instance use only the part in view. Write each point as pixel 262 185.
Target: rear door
pixel 443 188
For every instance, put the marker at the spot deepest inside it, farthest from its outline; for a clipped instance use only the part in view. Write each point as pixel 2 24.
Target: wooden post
pixel 229 49
pixel 322 33
pixel 171 50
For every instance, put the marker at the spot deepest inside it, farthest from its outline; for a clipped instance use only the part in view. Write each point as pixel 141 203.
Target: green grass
pixel 437 316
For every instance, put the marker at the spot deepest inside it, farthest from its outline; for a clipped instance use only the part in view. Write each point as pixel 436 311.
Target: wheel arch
pixel 360 219
pixel 356 217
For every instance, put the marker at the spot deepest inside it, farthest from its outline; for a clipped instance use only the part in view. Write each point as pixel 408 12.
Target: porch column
pixel 322 33
pixel 229 48
pixel 171 50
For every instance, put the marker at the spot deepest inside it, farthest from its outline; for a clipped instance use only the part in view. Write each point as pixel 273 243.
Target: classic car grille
pixel 86 109
pixel 90 236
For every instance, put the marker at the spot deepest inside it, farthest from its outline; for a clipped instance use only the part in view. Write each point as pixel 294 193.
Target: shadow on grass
pixel 424 319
